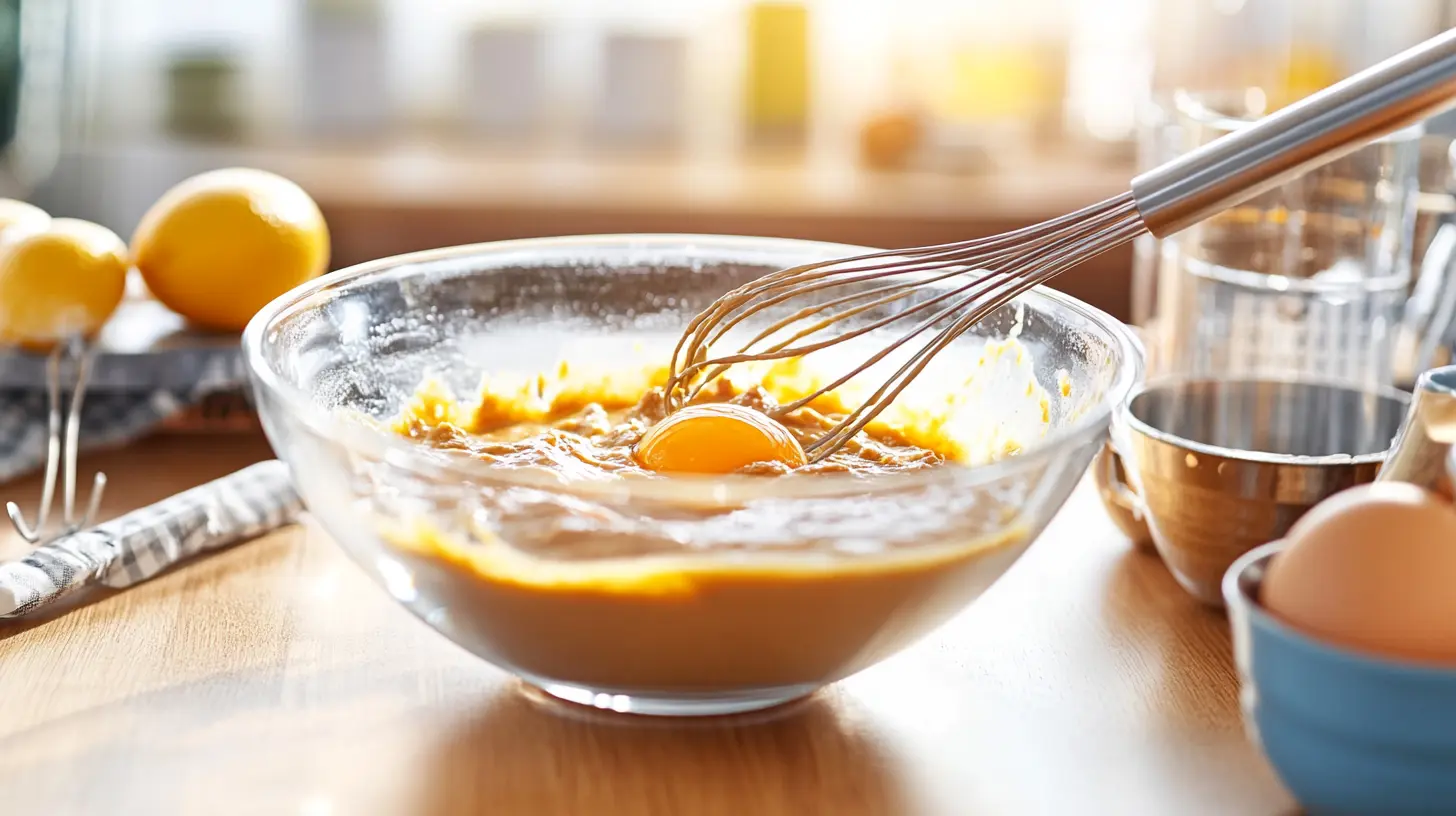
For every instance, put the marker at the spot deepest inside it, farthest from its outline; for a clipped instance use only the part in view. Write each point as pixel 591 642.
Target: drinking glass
pixel 1307 281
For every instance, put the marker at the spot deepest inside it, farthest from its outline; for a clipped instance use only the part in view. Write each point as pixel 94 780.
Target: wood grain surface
pixel 275 678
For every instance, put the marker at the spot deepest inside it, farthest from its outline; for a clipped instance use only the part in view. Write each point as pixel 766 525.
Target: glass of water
pixel 1306 281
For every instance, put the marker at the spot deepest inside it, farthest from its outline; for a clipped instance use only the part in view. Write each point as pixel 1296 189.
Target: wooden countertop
pixel 276 678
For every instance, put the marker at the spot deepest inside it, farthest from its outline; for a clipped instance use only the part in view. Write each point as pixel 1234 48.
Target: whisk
pixel 986 274
pixel 62 443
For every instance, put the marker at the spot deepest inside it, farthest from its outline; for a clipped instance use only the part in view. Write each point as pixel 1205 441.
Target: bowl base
pixel 671 704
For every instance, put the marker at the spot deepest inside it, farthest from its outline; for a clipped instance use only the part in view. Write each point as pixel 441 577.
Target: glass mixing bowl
pixel 707 595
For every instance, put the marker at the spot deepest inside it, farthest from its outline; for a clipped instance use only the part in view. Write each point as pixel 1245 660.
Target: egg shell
pixel 1372 568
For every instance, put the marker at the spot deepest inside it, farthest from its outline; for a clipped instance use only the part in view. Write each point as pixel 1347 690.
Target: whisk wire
pixel 62 446
pixel 783 349
pixel 53 455
pixel 895 345
pixel 744 300
pixel 750 299
pixel 1001 268
pixel 893 386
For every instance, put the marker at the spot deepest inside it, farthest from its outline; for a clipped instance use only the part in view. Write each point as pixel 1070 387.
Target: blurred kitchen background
pixel 881 122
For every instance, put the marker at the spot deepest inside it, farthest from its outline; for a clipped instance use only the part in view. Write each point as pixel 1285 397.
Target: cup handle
pixel 1120 492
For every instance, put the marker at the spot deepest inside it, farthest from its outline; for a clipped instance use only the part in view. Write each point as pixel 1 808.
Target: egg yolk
pixel 717 438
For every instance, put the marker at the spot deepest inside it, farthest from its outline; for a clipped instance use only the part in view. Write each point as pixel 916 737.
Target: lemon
pixel 59 281
pixel 21 215
pixel 219 246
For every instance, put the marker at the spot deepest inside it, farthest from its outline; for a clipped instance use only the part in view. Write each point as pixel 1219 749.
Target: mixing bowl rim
pixel 1169 438
pixel 402 453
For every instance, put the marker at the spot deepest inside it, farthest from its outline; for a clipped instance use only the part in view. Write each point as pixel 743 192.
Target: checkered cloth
pixel 107 419
pixel 142 543
pixel 129 396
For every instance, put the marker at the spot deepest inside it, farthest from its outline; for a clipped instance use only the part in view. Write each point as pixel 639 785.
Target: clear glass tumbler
pixel 1306 281
pixel 1159 141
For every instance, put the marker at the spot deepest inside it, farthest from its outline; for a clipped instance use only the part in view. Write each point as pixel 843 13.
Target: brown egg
pixel 1372 568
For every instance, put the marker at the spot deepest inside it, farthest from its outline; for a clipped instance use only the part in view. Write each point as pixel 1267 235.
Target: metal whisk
pixel 996 270
pixel 62 444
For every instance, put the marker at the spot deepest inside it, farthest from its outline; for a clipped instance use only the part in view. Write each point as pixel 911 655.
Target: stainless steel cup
pixel 1220 466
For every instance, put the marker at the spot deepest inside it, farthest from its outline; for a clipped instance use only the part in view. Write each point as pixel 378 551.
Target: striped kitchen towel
pixel 140 544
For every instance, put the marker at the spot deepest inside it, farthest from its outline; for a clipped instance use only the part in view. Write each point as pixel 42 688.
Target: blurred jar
pixel 202 94
pixel 777 81
pixel 343 76
pixel 1306 281
pixel 626 76
pixel 1241 59
pixel 1159 140
pixel 1285 48
pixel 503 87
pixel 1109 73
pixel 641 92
pixel 991 76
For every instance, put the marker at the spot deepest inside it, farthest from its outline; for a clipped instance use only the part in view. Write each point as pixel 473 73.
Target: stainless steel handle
pixel 1344 117
pixel 1421 449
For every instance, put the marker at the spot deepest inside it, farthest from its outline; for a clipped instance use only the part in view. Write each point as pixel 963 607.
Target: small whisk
pixel 951 287
pixel 62 443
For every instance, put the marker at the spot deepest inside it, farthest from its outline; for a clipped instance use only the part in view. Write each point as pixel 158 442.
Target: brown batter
pixel 653 599
pixel 593 437
pixel 667 625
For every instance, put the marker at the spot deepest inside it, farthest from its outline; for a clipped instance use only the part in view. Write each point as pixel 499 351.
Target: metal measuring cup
pixel 1220 466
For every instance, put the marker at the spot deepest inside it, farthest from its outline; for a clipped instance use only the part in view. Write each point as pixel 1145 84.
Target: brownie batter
pixel 659 598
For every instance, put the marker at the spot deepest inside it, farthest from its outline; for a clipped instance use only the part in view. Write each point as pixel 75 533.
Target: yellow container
pixel 777 91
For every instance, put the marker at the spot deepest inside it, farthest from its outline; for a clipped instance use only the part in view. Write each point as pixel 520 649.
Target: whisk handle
pixel 1411 86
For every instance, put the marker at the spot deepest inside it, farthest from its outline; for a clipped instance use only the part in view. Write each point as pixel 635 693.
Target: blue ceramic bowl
pixel 1346 732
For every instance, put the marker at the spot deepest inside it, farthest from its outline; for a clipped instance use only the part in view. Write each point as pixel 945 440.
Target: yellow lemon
pixel 219 246
pixel 21 215
pixel 59 281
